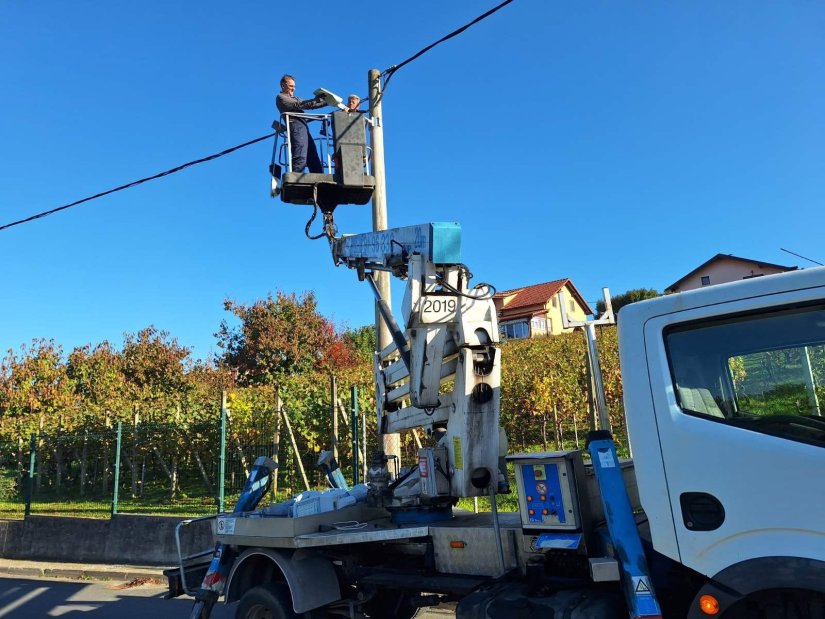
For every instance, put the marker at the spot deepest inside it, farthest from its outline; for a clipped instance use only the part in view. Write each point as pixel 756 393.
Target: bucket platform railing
pixel 341 141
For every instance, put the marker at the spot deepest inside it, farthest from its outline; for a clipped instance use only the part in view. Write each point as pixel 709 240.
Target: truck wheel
pixel 266 602
pixel 779 604
pixel 390 604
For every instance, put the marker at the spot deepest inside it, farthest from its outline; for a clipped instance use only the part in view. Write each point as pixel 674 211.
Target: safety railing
pixel 322 136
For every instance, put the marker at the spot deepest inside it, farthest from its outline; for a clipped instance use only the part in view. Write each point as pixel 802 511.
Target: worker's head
pixel 353 101
pixel 288 84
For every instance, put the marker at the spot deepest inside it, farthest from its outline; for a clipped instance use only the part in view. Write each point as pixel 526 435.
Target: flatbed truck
pixel 719 513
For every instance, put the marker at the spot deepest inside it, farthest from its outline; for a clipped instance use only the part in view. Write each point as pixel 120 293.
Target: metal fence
pixel 13 458
pixel 189 468
pixel 177 469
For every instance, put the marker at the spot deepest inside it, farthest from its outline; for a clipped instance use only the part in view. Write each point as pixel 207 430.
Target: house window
pixel 572 306
pixel 554 302
pixel 538 326
pixel 706 280
pixel 515 330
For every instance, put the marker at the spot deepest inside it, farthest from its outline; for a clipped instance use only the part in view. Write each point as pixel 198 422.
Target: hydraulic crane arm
pixel 450 333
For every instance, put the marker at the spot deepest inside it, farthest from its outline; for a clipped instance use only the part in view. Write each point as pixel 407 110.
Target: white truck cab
pixel 724 390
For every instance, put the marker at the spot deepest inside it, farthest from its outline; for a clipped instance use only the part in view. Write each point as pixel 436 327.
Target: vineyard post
pixel 295 451
pixel 276 441
pixel 355 466
pixel 333 388
pixel 222 455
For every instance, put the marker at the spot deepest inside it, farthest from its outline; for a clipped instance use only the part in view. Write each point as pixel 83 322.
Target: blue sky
pixel 618 143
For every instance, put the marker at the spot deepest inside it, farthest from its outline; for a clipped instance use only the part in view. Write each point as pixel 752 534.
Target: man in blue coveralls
pixel 304 153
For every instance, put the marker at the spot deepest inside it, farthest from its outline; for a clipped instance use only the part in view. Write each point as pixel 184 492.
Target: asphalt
pixel 137 574
pixel 79 571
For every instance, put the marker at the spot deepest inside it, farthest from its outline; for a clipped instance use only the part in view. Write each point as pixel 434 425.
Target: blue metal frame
pixel 624 535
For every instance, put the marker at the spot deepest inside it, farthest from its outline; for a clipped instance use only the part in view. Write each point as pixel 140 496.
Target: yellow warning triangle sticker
pixel 642 586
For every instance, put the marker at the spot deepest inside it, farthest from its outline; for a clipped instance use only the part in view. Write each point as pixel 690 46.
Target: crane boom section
pixel 440 243
pixel 447 380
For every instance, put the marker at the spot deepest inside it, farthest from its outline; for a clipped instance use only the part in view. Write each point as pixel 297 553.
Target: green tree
pixel 154 366
pixel 618 301
pixel 99 383
pixel 38 397
pixel 544 387
pixel 362 342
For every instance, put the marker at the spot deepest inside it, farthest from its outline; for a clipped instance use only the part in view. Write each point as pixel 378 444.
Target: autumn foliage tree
pixel 37 392
pixel 279 337
pixel 276 350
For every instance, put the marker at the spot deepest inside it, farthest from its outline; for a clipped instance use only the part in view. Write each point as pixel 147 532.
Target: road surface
pixel 22 598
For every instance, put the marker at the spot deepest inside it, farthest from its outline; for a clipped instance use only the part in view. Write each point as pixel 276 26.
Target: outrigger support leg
pixel 621 524
pixel 256 487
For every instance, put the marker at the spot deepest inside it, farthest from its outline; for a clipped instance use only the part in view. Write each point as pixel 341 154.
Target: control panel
pixel 547 489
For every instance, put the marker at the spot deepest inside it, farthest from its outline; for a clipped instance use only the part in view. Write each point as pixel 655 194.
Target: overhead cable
pixel 132 184
pixel 387 73
pixel 391 70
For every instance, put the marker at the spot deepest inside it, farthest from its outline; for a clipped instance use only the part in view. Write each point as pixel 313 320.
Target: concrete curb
pixel 116 572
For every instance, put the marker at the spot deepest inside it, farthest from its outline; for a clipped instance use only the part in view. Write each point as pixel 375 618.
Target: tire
pixel 390 604
pixel 780 604
pixel 266 602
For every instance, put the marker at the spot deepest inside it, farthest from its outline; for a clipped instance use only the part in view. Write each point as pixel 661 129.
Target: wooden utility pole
pixel 391 442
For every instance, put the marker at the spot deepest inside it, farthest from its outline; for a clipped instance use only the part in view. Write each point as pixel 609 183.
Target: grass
pixel 504 502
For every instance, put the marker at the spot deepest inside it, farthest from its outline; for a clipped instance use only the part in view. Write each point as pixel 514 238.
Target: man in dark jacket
pixel 304 153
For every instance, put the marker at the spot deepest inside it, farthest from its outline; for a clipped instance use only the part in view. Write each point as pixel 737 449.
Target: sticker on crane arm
pixel 646 604
pixel 458 457
pixel 606 460
pixel 641 585
pixel 423 467
pixel 437 309
pixel 226 526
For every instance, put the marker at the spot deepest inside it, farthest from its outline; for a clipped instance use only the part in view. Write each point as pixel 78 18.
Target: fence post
pixel 30 480
pixel 117 468
pixel 356 467
pixel 222 455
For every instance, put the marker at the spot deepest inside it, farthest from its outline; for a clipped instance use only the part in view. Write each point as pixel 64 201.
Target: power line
pixel 388 73
pixel 801 256
pixel 134 183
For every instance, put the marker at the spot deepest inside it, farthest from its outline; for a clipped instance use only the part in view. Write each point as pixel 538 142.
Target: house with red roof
pixel 535 310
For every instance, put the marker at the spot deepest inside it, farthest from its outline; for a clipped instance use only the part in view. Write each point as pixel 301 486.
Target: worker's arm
pixel 287 104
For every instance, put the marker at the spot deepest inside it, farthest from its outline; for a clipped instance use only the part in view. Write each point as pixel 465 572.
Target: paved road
pixel 22 598
pixel 43 598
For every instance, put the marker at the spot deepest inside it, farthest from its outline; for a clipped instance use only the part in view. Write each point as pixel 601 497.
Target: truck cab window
pixel 761 372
